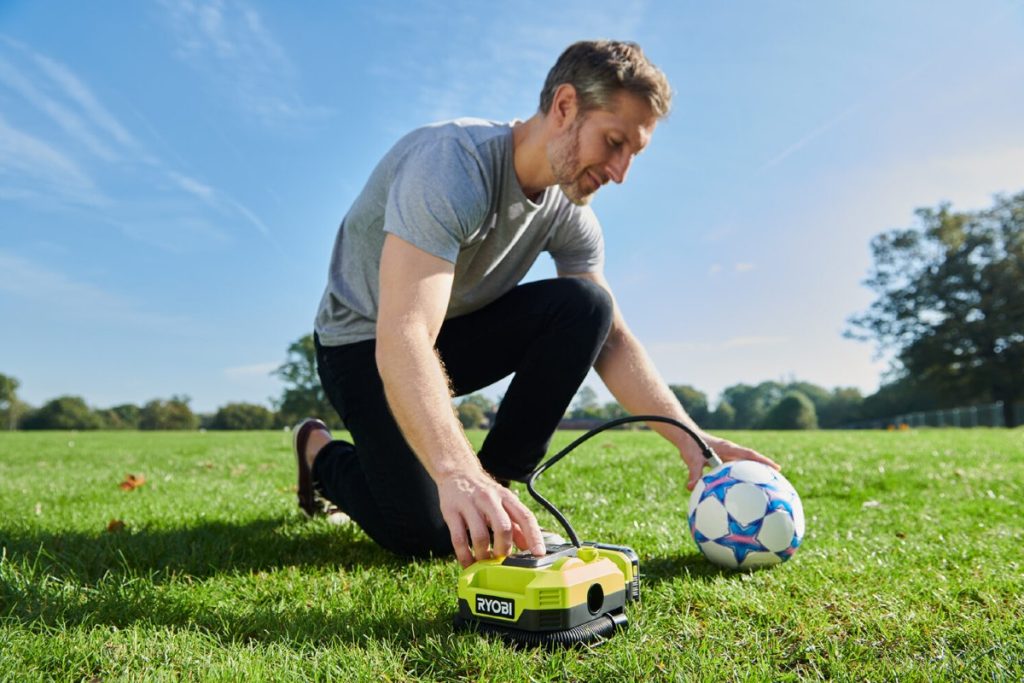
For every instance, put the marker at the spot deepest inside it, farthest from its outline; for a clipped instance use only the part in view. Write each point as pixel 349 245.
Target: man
pixel 423 302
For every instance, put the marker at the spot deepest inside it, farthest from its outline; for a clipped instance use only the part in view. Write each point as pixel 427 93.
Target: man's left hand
pixel 727 450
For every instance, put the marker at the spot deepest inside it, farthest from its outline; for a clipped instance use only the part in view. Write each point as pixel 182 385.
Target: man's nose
pixel 618 167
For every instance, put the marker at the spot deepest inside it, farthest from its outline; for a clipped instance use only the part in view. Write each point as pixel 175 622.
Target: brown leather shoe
pixel 308 502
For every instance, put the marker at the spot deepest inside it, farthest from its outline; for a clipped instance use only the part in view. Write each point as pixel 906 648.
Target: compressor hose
pixel 708 452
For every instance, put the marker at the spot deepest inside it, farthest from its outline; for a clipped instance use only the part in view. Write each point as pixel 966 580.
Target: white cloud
pixel 743 267
pixel 47 175
pixel 966 178
pixel 192 186
pixel 30 161
pixel 77 91
pixel 809 137
pixel 220 201
pixel 69 121
pixel 228 42
pixel 969 179
pixel 512 56
pixel 51 290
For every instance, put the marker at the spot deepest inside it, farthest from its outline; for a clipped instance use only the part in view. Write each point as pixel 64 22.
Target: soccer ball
pixel 745 515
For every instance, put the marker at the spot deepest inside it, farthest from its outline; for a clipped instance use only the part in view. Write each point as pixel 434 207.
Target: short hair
pixel 599 69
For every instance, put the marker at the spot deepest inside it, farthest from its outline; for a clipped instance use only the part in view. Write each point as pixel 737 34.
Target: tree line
pixel 175 413
pixel 949 310
pixel 301 397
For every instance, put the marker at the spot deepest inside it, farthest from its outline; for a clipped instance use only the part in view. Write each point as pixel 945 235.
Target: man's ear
pixel 564 106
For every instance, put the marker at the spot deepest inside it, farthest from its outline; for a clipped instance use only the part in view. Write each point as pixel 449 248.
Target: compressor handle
pixel 708 452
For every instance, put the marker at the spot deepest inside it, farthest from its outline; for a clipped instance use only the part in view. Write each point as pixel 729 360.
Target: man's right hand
pixel 474 506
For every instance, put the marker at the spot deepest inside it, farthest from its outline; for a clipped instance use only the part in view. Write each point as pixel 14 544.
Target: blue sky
pixel 172 173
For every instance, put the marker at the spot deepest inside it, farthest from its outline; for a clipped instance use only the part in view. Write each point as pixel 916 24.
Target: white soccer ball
pixel 745 515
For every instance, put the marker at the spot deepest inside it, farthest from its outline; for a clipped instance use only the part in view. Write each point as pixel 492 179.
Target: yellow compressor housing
pixel 569 595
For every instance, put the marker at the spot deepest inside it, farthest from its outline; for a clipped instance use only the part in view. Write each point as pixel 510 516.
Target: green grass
pixel 911 567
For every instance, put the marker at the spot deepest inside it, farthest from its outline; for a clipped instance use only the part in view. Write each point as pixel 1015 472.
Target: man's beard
pixel 564 157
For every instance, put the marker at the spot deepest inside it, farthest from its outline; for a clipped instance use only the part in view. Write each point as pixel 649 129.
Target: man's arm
pixel 631 377
pixel 414 291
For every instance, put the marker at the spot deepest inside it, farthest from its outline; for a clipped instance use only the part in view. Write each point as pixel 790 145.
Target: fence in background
pixel 988 415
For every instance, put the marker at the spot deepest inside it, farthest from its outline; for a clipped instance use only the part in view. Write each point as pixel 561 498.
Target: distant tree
pixel 124 416
pixel 752 403
pixel 901 395
pixel 794 411
pixel 843 407
pixel 818 395
pixel 585 404
pixel 951 301
pixel 303 396
pixel 612 410
pixel 10 406
pixel 471 415
pixel 64 412
pixel 249 416
pixel 834 407
pixel 172 414
pixel 694 401
pixel 724 416
pixel 487 406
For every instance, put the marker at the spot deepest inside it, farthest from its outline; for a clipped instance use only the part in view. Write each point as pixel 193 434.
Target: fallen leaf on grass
pixel 115 526
pixel 132 482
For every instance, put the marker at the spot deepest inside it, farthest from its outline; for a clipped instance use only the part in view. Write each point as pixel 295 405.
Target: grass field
pixel 912 567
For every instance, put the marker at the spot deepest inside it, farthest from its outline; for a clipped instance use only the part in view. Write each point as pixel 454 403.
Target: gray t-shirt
pixel 451 190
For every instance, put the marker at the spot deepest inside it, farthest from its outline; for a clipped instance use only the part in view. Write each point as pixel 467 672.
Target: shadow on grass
pixel 199 550
pixel 118 579
pixel 309 622
pixel 692 567
pixel 120 575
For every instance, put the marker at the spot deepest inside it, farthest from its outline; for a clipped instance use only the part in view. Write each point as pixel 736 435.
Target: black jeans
pixel 548 333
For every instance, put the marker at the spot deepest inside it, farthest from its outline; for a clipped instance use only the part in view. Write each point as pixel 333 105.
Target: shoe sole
pixel 300 437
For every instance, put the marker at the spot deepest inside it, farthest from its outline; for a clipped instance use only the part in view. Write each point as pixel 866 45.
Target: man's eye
pixel 614 143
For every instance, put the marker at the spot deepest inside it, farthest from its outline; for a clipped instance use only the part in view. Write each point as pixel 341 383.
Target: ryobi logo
pixel 497 607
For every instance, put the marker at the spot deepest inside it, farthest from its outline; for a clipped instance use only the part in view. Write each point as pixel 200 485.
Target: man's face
pixel 599 146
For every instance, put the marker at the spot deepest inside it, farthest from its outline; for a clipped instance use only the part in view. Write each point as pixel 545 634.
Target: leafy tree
pixel 843 407
pixel 834 408
pixel 303 396
pixel 585 404
pixel 951 301
pixel 486 405
pixel 471 415
pixel 236 416
pixel 124 416
pixel 752 403
pixel 612 410
pixel 794 411
pixel 172 414
pixel 694 402
pixel 903 395
pixel 64 412
pixel 724 416
pixel 10 406
pixel 818 395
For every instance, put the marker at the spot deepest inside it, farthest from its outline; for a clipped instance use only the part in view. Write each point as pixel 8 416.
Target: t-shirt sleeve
pixel 437 198
pixel 577 245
